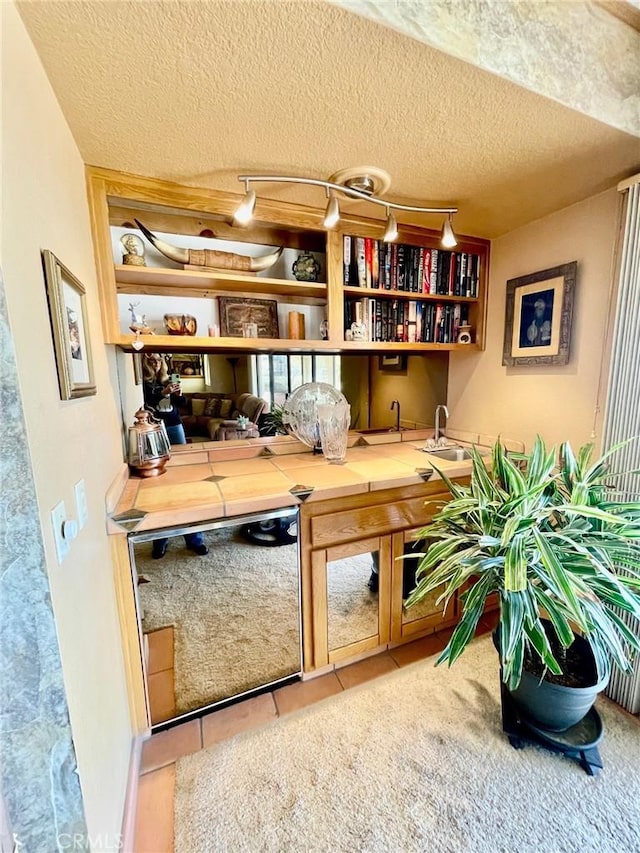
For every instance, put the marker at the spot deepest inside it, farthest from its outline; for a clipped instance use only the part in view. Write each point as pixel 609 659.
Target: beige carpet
pixel 413 761
pixel 235 612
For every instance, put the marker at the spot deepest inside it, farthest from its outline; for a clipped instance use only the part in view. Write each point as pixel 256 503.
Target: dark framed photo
pixel 392 363
pixel 538 317
pixel 68 313
pixel 248 318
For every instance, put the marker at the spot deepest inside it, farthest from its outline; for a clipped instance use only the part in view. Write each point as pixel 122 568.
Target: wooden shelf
pixel 117 194
pixel 167 282
pixel 364 292
pixel 188 343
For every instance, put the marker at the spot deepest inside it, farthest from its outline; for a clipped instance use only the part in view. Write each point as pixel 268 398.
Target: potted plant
pixel 563 559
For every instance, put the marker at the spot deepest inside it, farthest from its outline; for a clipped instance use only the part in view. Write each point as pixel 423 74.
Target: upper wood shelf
pixel 130 279
pixel 363 292
pixel 186 343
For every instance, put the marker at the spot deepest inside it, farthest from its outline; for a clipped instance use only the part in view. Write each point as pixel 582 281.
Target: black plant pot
pixel 555 707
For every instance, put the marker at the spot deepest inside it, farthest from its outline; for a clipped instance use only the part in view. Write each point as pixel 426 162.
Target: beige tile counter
pixel 208 481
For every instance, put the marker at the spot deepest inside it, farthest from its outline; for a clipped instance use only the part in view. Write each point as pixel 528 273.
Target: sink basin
pixel 455 454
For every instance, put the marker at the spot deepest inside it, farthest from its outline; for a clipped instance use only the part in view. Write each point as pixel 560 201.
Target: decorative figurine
pixel 133 247
pixel 210 259
pixel 138 322
pixel 306 267
pixel 464 334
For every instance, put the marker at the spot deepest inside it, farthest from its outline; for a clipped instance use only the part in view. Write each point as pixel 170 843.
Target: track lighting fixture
pixel 332 213
pixel 448 238
pixel 360 183
pixel 391 228
pixel 244 213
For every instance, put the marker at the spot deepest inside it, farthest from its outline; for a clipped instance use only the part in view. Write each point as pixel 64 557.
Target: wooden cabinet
pixel 427 615
pixel 344 541
pixel 116 199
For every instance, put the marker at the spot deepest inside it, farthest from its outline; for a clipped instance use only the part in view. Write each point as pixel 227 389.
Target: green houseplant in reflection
pixel 561 556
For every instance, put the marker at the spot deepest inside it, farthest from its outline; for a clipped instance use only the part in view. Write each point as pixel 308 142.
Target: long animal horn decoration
pixel 210 258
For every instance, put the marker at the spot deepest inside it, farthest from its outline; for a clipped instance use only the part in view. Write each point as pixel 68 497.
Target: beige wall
pixel 419 390
pixel 557 402
pixel 44 206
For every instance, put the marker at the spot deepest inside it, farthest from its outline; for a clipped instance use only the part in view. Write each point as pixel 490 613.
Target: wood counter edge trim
pixel 116 488
pixel 131 651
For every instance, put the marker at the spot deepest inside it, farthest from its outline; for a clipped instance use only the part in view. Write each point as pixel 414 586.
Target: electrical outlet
pixel 58 518
pixel 81 504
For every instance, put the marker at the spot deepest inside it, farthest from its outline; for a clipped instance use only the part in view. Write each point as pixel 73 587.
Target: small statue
pixel 133 250
pixel 138 322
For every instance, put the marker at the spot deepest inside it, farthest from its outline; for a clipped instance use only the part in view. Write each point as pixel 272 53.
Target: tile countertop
pixel 206 481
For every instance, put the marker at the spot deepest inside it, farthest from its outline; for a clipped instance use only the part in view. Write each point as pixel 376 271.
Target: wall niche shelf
pixel 115 197
pixel 175 282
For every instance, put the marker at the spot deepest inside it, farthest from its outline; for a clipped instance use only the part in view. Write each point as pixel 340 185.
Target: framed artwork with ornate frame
pixel 235 312
pixel 539 310
pixel 68 315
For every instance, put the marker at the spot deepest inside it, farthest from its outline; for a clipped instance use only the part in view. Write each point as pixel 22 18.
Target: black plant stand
pixel 578 742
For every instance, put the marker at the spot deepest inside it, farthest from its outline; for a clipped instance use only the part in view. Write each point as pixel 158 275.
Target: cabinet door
pixel 424 617
pixel 351 597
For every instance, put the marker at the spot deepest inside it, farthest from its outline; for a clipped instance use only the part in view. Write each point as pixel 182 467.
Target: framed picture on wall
pixel 539 311
pixel 238 314
pixel 392 363
pixel 68 314
pixel 187 365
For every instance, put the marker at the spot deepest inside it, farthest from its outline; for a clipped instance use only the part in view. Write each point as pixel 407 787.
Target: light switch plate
pixel 58 517
pixel 81 504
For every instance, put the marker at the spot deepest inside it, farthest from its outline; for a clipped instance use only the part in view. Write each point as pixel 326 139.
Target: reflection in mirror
pixel 426 607
pixel 217 625
pixel 368 390
pixel 352 605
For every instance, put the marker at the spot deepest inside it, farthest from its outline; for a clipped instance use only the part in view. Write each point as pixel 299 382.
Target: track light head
pixel 332 213
pixel 244 213
pixel 448 238
pixel 390 229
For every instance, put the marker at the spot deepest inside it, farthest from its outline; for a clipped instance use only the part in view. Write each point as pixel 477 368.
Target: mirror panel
pixel 426 607
pixel 217 625
pixel 352 604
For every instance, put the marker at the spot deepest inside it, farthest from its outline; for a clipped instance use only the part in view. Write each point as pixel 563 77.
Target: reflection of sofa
pixel 203 413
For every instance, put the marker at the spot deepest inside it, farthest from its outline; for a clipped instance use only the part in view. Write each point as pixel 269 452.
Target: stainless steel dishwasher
pixel 217 627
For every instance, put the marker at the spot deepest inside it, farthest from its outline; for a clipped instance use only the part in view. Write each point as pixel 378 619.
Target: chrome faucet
pixel 436 432
pixel 395 404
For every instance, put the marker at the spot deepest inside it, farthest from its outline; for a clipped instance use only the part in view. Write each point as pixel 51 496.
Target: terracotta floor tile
pixel 304 693
pixel 160 649
pixel 154 816
pixel 365 670
pixel 419 649
pixel 161 695
pixel 228 722
pixel 165 747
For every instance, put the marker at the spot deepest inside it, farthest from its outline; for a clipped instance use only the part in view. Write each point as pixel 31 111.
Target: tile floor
pixel 154 820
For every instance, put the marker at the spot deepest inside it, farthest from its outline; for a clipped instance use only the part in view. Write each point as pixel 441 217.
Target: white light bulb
pixel 448 238
pixel 244 213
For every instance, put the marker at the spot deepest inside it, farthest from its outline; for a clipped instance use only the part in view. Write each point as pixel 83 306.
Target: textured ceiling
pixel 198 92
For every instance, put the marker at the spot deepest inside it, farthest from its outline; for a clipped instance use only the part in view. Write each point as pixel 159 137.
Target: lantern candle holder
pixel 148 445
